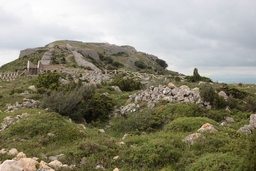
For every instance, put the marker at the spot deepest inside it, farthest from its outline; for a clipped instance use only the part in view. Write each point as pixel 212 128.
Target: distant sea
pixel 234 80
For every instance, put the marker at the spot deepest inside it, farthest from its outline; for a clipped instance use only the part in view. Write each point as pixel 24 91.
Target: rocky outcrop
pixel 82 62
pixel 8 121
pixel 27 52
pixel 27 103
pixel 113 49
pixel 46 58
pixel 89 52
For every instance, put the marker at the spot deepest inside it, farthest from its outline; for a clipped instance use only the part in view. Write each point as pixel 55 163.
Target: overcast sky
pixel 216 36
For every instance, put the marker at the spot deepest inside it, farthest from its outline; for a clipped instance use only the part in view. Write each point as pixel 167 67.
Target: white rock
pixel 13 152
pixel 207 127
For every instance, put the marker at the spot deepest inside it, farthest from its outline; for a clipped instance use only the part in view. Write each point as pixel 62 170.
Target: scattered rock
pixel 11 165
pixel 245 129
pixel 100 166
pixel 53 158
pixel 13 152
pixel 120 143
pixel 116 157
pixel 191 138
pixel 116 88
pixel 44 167
pixel 227 121
pixel 32 87
pixel 20 156
pixel 101 130
pixel 27 103
pixel 223 94
pixel 207 127
pixel 56 164
pixel 3 151
pixel 253 121
pixel 125 135
pixel 116 169
pixel 28 164
pixel 171 85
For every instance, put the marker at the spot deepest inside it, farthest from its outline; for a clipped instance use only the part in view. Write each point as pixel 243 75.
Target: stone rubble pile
pixel 27 103
pixel 169 92
pixel 22 163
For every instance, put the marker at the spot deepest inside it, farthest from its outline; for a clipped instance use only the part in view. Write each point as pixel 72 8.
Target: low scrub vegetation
pixel 145 139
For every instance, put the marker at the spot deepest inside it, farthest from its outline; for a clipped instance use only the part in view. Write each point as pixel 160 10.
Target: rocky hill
pixel 91 56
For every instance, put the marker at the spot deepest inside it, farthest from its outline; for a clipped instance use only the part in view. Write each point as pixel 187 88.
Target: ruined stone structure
pixel 33 69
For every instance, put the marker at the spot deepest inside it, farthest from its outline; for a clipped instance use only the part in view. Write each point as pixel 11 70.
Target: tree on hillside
pixel 162 63
pixel 196 76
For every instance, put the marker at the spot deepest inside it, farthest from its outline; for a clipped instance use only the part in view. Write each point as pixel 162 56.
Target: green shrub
pixel 208 94
pixel 216 162
pixel 140 64
pixel 117 64
pixel 162 63
pixel 66 103
pixel 249 159
pixel 188 124
pixel 138 122
pixel 49 80
pixel 250 103
pixel 150 154
pixel 96 108
pixel 126 84
pixel 176 110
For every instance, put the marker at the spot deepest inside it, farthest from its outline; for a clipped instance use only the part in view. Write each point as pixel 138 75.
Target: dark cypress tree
pixel 196 76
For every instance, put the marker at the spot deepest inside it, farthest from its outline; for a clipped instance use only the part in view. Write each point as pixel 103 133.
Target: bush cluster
pixel 208 94
pixel 140 64
pixel 49 80
pixel 80 103
pixel 126 84
pixel 162 63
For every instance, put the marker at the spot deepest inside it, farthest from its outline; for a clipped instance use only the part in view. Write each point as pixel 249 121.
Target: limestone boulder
pixel 11 165
pixel 171 85
pixel 245 129
pixel 207 128
pixel 223 94
pixel 56 164
pixel 253 121
pixel 191 139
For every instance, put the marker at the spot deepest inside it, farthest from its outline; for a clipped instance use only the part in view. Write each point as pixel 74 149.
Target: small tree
pixel 162 63
pixel 196 76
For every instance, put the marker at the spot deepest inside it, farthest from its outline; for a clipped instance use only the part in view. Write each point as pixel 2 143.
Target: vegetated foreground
pixel 104 133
